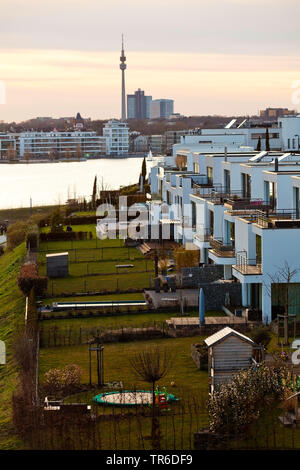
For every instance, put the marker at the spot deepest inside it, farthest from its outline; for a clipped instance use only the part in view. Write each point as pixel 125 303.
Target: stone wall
pixel 216 292
pixel 193 277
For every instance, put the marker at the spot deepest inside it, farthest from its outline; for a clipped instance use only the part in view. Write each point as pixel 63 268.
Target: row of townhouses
pixel 241 209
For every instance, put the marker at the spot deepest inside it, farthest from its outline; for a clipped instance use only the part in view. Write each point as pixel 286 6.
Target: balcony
pixel 246 203
pixel 202 234
pixel 221 249
pixel 285 218
pixel 248 266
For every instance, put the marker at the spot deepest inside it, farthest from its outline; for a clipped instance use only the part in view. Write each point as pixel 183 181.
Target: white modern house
pixel 241 210
pixel 283 135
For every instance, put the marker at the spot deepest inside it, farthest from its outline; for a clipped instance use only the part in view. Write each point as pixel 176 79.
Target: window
pixel 209 175
pixel 227 181
pixel 246 185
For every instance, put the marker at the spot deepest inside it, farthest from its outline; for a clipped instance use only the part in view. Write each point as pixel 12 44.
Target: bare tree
pixel 151 365
pixel 284 275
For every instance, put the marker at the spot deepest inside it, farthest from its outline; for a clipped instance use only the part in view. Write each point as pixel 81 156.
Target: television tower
pixel 123 67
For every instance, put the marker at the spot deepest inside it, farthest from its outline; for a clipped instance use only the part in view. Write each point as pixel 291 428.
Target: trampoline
pixel 130 398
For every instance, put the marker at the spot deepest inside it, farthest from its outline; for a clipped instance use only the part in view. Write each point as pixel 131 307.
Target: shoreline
pixel 63 160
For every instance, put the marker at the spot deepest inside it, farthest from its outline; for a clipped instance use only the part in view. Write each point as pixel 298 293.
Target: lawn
pixel 111 282
pixel 12 306
pixel 106 267
pixel 184 372
pixel 83 298
pixel 108 322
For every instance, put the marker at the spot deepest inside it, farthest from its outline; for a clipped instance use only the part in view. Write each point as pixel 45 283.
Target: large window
pixel 246 185
pixel 227 181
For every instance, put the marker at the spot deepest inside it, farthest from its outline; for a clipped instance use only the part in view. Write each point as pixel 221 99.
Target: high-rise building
pixel 117 137
pixel 123 67
pixel 138 105
pixel 161 109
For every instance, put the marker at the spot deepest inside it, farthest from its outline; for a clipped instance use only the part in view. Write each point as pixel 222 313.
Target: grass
pixel 184 372
pixel 135 320
pixel 105 267
pixel 99 283
pixel 23 213
pixel 12 305
pixel 109 297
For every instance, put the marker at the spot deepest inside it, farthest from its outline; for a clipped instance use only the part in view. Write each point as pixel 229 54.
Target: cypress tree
pixel 144 169
pixel 267 140
pixel 258 148
pixel 94 195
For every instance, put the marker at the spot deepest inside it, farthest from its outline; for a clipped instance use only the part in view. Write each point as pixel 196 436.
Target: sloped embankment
pixel 12 305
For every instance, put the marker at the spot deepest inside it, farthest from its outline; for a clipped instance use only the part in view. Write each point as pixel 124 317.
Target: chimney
pixel 276 164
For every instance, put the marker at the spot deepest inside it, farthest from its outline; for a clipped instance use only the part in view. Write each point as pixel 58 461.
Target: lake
pixel 53 183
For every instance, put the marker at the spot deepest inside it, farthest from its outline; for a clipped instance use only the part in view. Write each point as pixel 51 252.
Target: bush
pixel 29 279
pixel 236 404
pixel 62 380
pixel 16 234
pixel 32 237
pixel 261 335
pixel 57 221
pixel 203 351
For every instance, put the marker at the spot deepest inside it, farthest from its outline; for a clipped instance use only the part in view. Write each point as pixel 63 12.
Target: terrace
pixel 246 203
pixel 248 266
pixel 285 218
pixel 221 249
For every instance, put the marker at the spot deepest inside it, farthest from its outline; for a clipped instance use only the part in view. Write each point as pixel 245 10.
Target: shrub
pixel 29 279
pixel 203 351
pixel 32 237
pixel 236 404
pixel 261 335
pixel 62 380
pixel 16 234
pixel 57 221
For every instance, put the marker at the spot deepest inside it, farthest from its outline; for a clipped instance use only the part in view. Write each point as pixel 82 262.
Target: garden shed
pixel 57 264
pixel 228 352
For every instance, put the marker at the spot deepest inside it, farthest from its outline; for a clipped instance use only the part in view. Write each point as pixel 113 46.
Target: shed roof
pixel 50 255
pixel 225 333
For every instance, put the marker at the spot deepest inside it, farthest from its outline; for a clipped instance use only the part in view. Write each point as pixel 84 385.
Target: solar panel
pixel 284 156
pixel 242 123
pixel 258 157
pixel 230 124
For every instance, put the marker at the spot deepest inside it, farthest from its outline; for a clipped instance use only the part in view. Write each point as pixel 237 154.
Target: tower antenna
pixel 123 67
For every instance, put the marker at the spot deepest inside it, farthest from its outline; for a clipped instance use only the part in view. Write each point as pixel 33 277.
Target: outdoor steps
pixel 144 248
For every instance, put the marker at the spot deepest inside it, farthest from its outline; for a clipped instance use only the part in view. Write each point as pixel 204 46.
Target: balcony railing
pixel 222 248
pixel 285 218
pixel 247 265
pixel 239 203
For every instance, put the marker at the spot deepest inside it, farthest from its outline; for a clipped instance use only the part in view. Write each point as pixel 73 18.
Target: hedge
pixel 29 279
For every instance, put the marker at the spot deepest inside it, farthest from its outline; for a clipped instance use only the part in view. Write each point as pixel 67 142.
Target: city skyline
pixel 50 69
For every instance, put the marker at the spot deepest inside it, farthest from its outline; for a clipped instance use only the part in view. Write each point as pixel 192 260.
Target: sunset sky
pixel 210 56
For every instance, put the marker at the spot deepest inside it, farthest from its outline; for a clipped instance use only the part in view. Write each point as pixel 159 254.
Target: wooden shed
pixel 228 352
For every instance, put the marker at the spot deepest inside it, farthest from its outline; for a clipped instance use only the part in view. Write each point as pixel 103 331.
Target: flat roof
pixel 65 253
